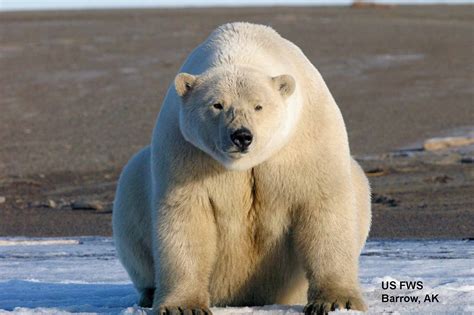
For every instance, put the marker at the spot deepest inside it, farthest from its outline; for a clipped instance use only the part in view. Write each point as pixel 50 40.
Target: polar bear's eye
pixel 258 108
pixel 218 106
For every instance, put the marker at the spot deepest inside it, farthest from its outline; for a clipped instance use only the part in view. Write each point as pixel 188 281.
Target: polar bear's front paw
pixel 323 306
pixel 174 310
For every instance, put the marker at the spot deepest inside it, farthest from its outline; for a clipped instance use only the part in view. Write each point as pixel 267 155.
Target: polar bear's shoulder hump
pixel 243 29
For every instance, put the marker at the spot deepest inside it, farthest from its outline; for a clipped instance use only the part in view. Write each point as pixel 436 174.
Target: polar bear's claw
pixel 323 308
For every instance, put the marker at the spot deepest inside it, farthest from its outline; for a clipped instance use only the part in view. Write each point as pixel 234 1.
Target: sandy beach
pixel 80 91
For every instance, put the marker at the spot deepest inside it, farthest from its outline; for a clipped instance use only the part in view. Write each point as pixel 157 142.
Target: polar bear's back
pixel 250 45
pixel 245 32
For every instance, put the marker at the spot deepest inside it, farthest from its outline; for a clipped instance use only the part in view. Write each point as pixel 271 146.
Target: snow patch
pixel 85 277
pixel 33 242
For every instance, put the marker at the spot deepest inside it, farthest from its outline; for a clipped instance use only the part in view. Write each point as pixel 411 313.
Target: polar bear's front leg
pixel 184 253
pixel 327 242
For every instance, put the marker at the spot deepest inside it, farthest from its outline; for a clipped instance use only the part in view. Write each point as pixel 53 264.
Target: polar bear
pixel 247 194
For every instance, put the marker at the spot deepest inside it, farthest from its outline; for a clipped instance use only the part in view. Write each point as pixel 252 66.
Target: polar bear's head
pixel 237 115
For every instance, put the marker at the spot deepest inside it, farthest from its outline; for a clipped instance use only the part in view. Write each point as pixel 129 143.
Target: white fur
pixel 286 223
pixel 279 139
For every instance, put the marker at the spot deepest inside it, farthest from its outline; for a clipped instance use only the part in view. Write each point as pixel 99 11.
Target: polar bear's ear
pixel 184 83
pixel 285 84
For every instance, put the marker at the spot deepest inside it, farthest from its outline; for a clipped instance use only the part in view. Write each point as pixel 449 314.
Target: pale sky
pixel 6 5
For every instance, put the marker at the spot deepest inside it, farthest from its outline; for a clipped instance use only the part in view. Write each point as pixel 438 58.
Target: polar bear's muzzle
pixel 242 139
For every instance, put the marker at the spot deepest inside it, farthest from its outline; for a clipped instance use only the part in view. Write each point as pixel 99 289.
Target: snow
pixel 82 275
pixel 17 242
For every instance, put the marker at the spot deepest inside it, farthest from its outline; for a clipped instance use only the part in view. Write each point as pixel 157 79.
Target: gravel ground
pixel 79 93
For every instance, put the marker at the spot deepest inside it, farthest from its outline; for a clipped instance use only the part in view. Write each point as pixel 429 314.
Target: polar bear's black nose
pixel 242 138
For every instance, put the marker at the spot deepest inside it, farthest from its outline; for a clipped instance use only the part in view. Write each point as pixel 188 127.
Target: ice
pixel 82 276
pixel 34 242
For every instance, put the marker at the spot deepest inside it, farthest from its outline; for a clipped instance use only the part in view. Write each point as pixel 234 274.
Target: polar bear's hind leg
pixel 362 190
pixel 132 227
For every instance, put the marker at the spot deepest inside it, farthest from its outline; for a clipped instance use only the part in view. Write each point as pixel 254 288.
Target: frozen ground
pixel 82 275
